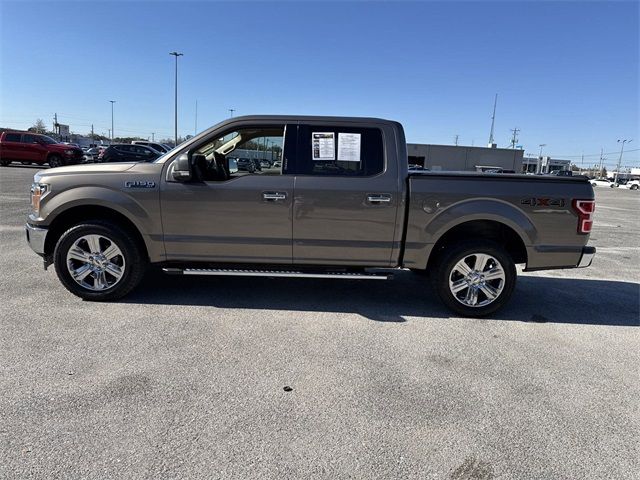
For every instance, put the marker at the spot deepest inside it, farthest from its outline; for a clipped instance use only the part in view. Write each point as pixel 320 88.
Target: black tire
pixel 634 187
pixel 133 258
pixel 54 161
pixel 444 271
pixel 4 162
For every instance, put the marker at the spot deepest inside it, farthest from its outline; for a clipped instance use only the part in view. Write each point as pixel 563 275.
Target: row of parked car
pixel 136 151
pixel 253 165
pixel 605 182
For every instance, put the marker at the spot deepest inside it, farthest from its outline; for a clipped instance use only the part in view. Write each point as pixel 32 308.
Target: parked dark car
pixel 562 173
pixel 256 162
pixel 246 165
pixel 156 146
pixel 129 153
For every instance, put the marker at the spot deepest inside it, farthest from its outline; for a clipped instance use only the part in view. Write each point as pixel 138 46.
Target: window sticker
pixel 324 145
pixel 349 147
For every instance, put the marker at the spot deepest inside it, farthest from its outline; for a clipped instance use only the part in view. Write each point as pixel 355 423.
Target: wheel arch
pixel 481 229
pixel 77 214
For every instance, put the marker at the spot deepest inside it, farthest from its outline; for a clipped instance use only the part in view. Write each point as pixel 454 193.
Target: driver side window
pixel 244 151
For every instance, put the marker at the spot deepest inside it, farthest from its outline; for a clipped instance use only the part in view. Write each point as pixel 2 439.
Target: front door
pixel 227 216
pixel 346 198
pixel 33 151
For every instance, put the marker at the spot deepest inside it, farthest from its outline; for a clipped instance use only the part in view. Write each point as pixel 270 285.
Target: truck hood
pixel 91 169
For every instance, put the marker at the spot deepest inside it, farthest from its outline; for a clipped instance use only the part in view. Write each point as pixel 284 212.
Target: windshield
pixel 47 140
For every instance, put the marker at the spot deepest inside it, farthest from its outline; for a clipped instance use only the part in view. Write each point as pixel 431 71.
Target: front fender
pixel 98 196
pixel 142 211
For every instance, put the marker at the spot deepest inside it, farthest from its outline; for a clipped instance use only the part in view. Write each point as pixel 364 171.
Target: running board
pixel 276 273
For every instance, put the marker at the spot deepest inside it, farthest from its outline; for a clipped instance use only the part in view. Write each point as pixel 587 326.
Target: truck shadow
pixel 536 299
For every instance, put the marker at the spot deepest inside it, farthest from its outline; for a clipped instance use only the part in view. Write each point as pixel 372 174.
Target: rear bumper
pixel 587 256
pixel 36 238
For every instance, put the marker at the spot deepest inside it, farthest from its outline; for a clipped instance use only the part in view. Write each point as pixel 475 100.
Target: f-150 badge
pixel 139 184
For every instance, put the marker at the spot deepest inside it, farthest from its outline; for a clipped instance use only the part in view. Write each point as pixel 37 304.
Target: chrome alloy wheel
pixel 477 280
pixel 95 262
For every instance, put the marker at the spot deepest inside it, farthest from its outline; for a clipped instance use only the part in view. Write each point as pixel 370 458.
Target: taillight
pixel 584 209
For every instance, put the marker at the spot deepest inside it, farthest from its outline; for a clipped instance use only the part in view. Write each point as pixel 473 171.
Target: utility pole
pixel 232 110
pixel 92 137
pixel 600 164
pixel 153 136
pixel 493 121
pixel 55 124
pixel 620 159
pixel 176 54
pixel 195 130
pixel 456 139
pixel 113 132
pixel 514 137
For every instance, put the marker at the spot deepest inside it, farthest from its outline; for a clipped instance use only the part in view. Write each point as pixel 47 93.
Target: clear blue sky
pixel 566 72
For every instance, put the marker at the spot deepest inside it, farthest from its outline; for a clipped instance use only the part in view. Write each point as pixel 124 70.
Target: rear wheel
pixel 54 161
pixel 475 278
pixel 99 261
pixel 634 187
pixel 4 162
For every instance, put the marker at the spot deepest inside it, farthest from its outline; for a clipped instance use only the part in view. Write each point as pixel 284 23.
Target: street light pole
pixel 620 159
pixel 176 54
pixel 112 131
pixel 232 110
pixel 538 167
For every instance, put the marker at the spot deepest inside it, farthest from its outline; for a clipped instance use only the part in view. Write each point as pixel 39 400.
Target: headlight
pixel 69 152
pixel 38 191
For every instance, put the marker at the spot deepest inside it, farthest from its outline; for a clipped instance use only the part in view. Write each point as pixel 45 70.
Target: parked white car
pixel 602 182
pixel 631 185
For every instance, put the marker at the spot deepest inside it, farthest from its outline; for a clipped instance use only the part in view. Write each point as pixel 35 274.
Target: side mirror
pixel 181 168
pixel 233 165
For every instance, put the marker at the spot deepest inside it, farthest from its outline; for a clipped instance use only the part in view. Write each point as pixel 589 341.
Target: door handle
pixel 379 198
pixel 274 196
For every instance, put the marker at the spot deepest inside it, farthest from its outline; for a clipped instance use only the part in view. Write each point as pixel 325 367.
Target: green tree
pixel 39 126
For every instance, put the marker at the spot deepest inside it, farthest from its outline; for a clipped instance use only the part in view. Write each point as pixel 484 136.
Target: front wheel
pixel 54 161
pixel 4 163
pixel 634 187
pixel 98 260
pixel 475 278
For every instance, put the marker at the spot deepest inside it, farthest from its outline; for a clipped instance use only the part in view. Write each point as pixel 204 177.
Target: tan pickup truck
pixel 332 198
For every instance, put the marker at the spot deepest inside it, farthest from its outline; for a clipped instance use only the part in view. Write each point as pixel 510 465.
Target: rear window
pixel 342 151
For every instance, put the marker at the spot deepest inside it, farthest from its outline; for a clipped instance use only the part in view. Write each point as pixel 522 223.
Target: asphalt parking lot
pixel 185 377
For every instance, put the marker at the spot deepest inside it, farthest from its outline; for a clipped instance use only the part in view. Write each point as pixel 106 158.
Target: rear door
pixel 347 195
pixel 12 146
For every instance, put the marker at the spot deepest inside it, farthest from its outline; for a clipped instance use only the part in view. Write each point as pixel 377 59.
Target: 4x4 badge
pixel 140 184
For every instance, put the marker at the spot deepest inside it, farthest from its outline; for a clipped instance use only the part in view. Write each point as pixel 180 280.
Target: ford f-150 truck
pixel 338 202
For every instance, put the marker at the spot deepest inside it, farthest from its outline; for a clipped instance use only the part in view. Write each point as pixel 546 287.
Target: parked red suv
pixel 27 148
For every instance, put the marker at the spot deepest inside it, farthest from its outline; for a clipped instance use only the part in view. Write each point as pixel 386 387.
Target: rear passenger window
pixel 12 137
pixel 343 151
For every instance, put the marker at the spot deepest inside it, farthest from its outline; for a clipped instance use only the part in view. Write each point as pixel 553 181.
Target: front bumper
pixel 587 256
pixel 36 238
